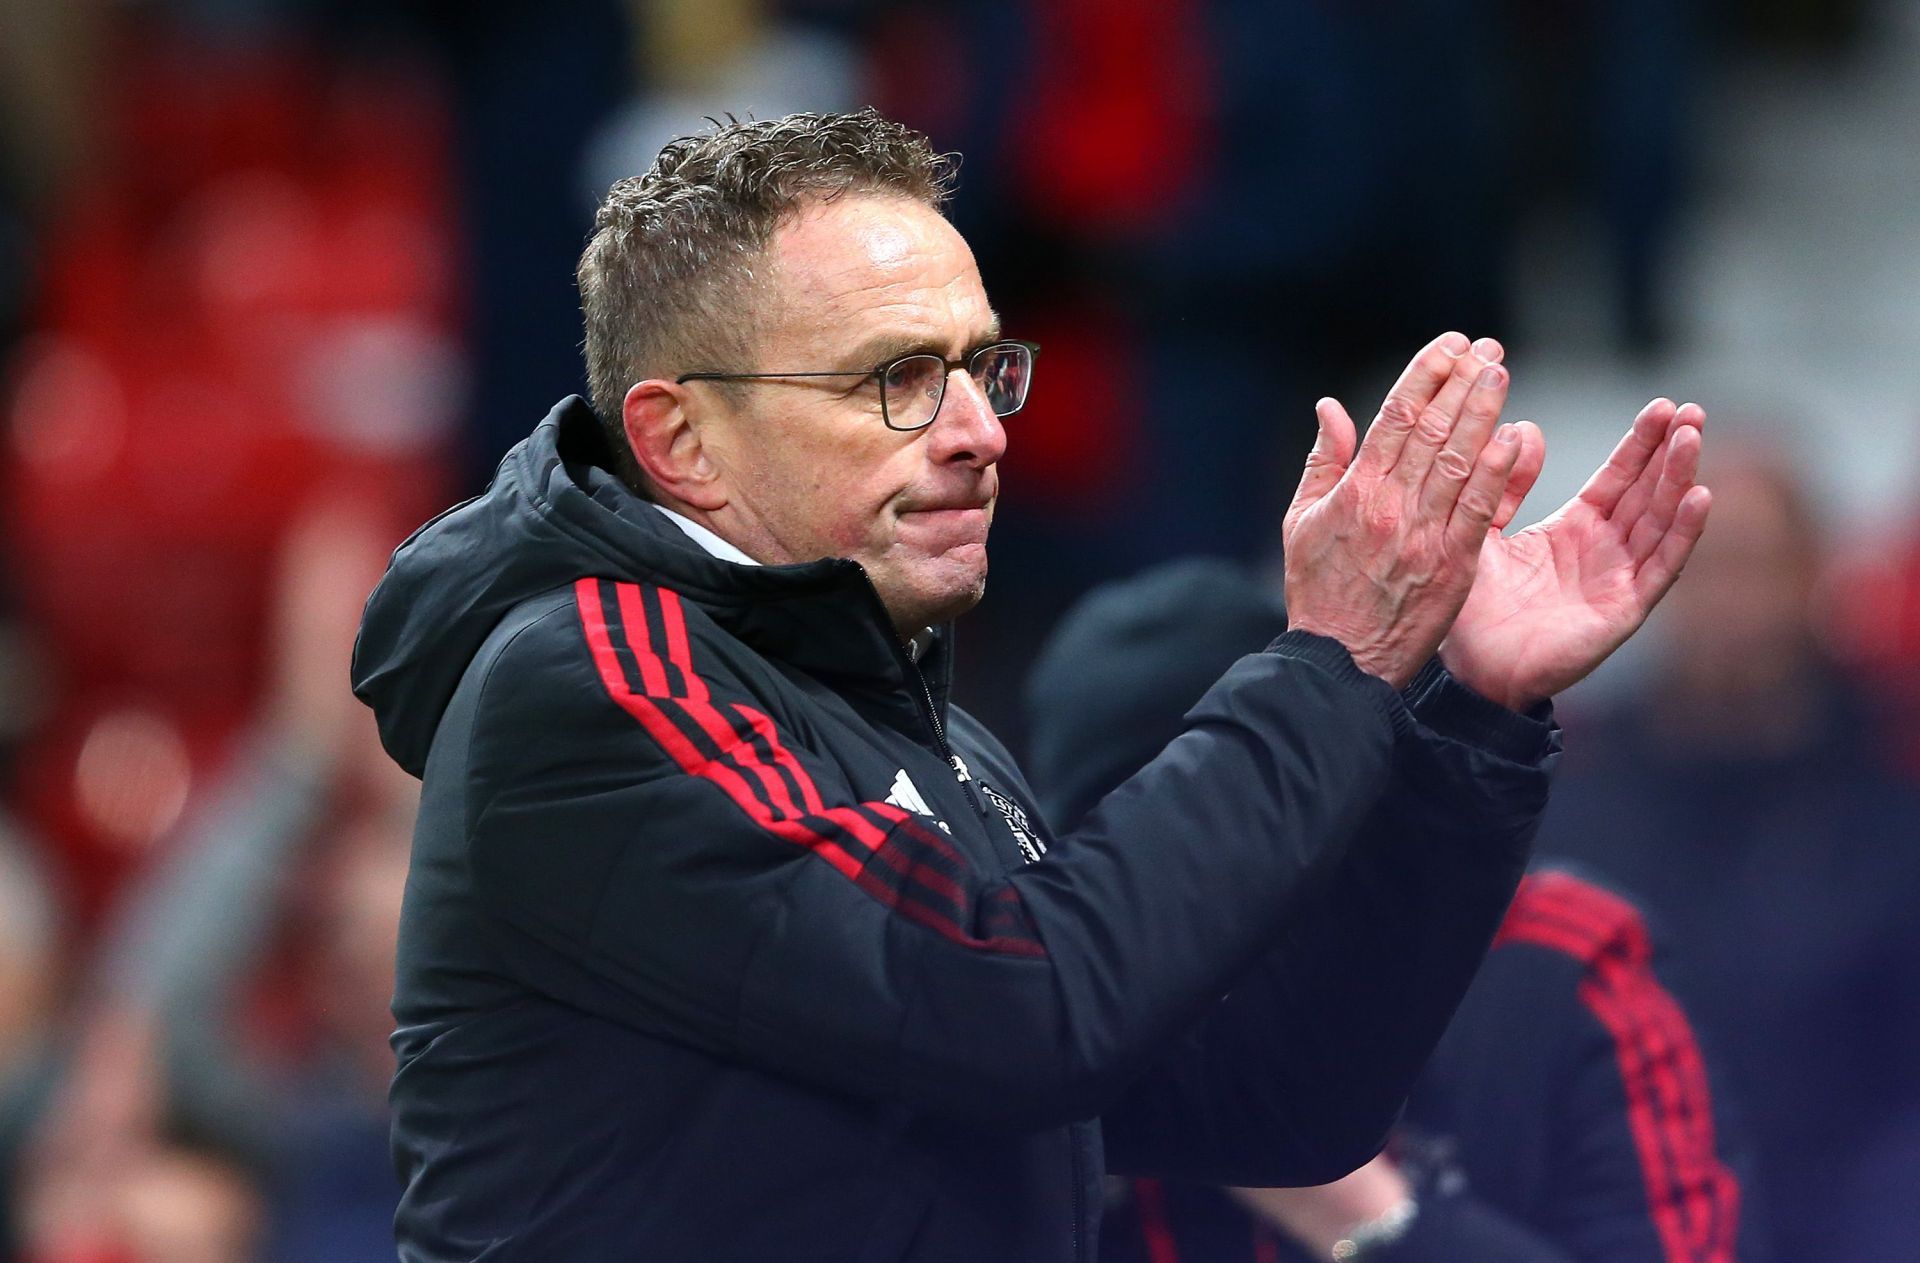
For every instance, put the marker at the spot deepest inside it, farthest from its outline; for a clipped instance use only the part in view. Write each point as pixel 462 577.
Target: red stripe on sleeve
pixel 1703 1194
pixel 586 594
pixel 693 700
pixel 856 821
pixel 781 755
pixel 1692 1197
pixel 653 677
pixel 1151 1201
pixel 662 730
pixel 1647 1073
pixel 776 813
pixel 675 621
pixel 698 706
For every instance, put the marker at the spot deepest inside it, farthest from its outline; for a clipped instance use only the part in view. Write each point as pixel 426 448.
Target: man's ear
pixel 664 433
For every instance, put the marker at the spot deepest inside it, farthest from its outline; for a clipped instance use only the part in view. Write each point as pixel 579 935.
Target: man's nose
pixel 965 429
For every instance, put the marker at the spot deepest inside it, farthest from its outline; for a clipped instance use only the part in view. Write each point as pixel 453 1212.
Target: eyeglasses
pixel 912 386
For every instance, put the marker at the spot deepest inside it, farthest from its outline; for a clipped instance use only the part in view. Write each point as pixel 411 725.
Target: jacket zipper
pixel 961 774
pixel 1028 852
pixel 1079 1192
pixel 939 732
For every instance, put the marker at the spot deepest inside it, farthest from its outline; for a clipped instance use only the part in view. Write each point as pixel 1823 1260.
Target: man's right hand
pixel 1381 548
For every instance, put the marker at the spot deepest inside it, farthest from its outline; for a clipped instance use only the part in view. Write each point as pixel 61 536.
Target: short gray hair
pixel 666 277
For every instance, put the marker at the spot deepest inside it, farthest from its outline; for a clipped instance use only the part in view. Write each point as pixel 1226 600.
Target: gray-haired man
pixel 727 938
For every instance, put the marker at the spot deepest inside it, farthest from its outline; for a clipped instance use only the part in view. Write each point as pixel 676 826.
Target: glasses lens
pixel 911 388
pixel 1004 371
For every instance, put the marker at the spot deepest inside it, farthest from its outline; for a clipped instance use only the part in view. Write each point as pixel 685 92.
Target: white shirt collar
pixel 705 538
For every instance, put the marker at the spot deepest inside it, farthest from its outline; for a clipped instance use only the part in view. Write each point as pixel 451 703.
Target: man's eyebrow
pixel 886 347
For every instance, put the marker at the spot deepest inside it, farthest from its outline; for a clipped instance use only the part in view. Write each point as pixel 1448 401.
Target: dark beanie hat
pixel 1113 683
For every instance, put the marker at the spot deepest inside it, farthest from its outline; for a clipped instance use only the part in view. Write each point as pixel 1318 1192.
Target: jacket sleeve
pixel 651 845
pixel 1326 1035
pixel 1612 1198
pixel 1637 1172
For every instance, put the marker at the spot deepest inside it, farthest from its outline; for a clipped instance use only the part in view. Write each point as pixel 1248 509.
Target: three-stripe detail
pixel 637 636
pixel 1692 1197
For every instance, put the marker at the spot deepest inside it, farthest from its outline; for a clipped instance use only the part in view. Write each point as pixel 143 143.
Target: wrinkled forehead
pixel 866 266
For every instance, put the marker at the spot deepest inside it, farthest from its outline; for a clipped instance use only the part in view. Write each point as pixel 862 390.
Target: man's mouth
pixel 954 501
pixel 949 506
pixel 954 521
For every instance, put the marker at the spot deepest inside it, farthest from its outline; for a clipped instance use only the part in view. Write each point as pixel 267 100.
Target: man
pixel 726 938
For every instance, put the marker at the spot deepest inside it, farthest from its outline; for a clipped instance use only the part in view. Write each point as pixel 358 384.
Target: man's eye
pixel 916 374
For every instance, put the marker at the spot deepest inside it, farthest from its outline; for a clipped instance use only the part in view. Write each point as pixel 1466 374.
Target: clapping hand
pixel 1383 545
pixel 1543 607
pixel 1551 602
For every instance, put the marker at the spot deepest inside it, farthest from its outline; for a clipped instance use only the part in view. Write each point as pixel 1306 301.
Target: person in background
pixel 1747 797
pixel 108 1177
pixel 30 965
pixel 1877 631
pixel 224 1098
pixel 1565 1114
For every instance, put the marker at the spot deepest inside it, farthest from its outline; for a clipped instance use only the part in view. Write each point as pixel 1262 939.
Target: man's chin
pixel 960 604
pixel 937 598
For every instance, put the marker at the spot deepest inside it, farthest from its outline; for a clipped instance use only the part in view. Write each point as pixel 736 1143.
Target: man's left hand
pixel 1551 602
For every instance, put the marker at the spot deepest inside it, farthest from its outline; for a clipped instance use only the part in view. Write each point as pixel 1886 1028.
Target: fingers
pixel 1676 479
pixel 1629 460
pixel 1335 439
pixel 1332 452
pixel 1428 371
pixel 1663 511
pixel 1437 422
pixel 1526 471
pixel 1450 466
pixel 1670 553
pixel 1424 375
pixel 1634 502
pixel 1485 488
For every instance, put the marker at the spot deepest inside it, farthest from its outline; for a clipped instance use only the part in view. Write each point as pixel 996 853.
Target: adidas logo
pixel 906 794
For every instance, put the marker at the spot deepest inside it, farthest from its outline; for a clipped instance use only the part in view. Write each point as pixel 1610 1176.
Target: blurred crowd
pixel 281 278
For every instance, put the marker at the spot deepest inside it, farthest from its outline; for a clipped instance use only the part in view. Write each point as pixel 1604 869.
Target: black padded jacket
pixel 727 938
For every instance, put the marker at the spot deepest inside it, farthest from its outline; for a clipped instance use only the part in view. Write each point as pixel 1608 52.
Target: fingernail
pixel 1486 349
pixel 1505 434
pixel 1454 344
pixel 1489 376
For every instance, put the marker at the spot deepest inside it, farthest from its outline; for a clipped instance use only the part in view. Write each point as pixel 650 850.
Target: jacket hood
pixel 553 514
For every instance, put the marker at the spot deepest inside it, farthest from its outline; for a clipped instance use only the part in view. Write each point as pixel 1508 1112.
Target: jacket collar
pixel 823 617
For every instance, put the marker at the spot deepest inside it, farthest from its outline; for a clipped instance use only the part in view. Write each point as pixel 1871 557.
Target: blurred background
pixel 281 278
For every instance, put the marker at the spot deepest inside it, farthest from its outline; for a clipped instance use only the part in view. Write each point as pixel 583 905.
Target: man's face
pixel 810 469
